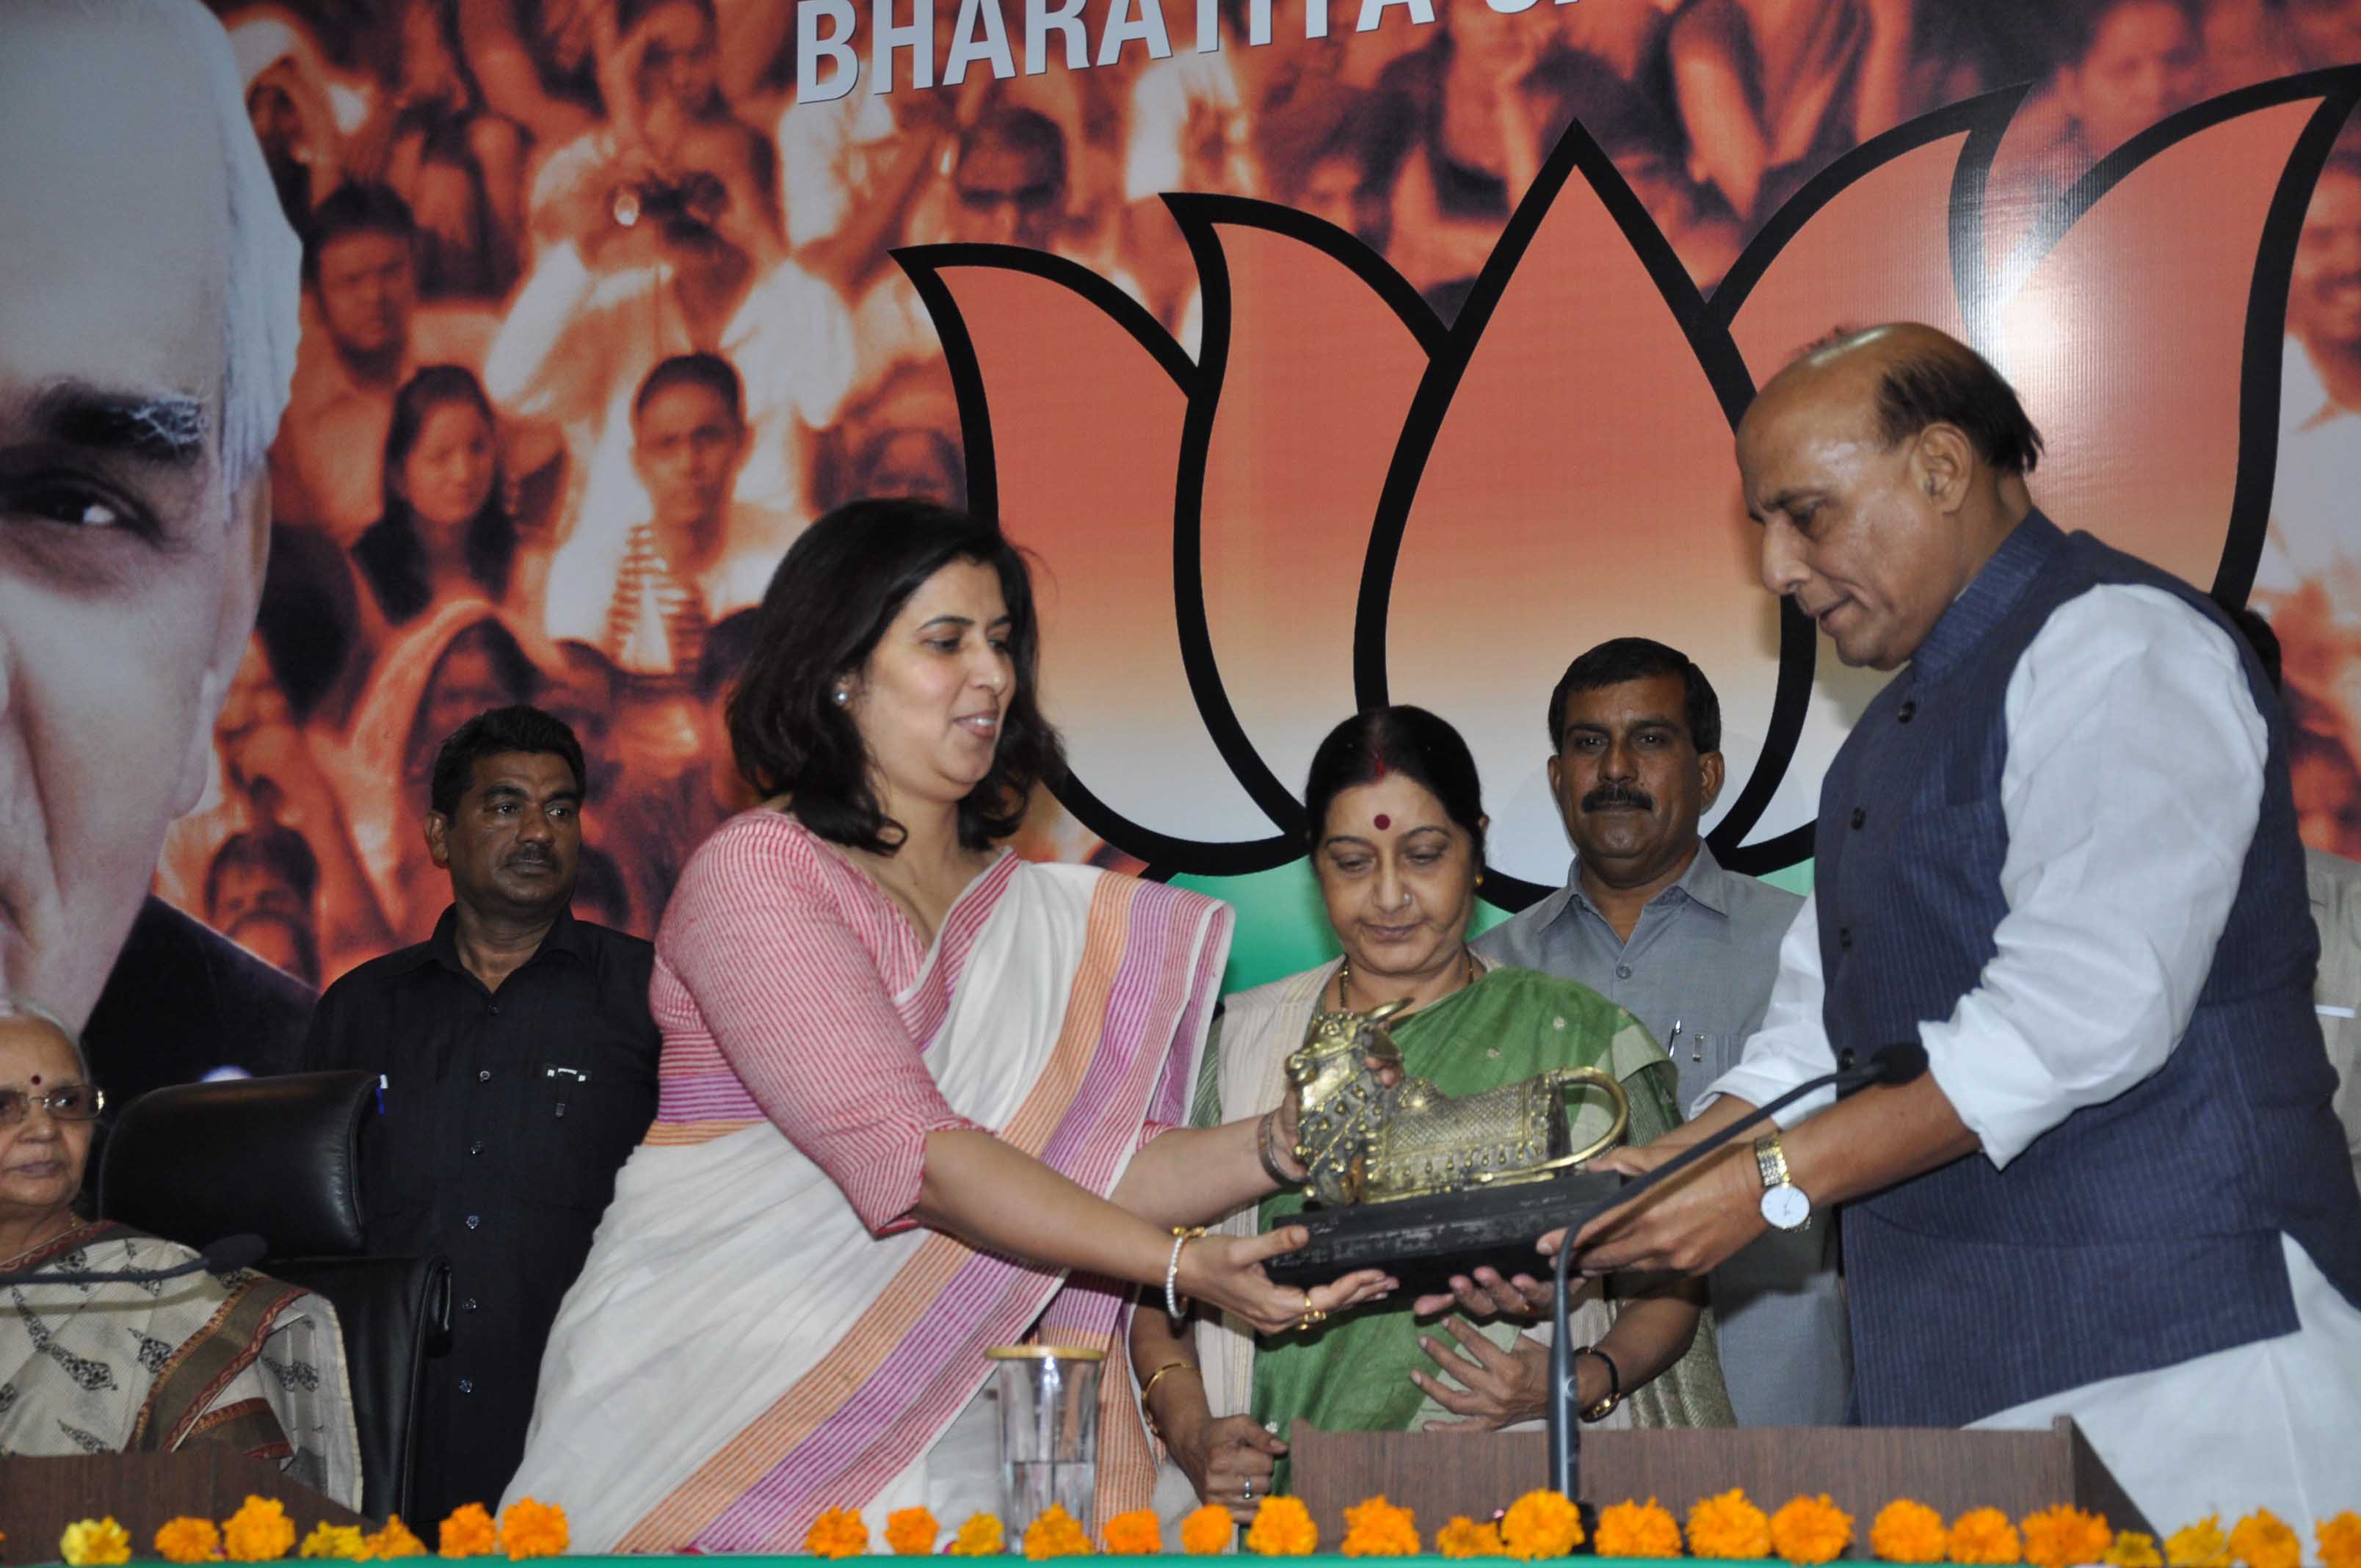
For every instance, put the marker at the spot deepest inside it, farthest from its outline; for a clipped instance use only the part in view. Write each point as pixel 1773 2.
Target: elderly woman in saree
pixel 1398 847
pixel 918 1097
pixel 233 1358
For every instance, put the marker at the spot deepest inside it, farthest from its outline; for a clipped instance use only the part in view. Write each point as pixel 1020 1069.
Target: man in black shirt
pixel 517 1070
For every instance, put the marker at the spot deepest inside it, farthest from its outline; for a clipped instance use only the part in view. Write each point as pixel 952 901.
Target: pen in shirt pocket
pixel 380 1094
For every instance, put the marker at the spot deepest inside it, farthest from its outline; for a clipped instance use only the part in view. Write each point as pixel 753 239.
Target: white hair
pixel 263 303
pixel 25 1009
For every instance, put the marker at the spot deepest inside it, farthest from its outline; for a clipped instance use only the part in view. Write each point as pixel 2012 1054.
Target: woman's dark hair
pixel 1407 741
pixel 390 554
pixel 829 605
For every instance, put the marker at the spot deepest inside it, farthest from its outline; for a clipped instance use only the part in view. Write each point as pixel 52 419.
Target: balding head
pixel 1884 466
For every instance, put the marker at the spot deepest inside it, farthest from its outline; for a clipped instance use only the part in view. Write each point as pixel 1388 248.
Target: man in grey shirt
pixel 1652 922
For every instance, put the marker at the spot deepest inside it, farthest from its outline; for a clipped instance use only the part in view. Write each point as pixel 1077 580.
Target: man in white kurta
pixel 2128 811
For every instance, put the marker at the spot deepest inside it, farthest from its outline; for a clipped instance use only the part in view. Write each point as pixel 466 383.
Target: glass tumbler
pixel 1049 1431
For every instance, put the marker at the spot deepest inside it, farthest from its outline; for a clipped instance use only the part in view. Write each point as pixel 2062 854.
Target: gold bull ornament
pixel 1364 1141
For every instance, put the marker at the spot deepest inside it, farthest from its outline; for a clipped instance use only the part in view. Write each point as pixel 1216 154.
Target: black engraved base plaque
pixel 1423 1242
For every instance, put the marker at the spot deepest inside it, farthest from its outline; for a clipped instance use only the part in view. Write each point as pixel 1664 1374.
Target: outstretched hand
pixel 1487 1294
pixel 1227 1272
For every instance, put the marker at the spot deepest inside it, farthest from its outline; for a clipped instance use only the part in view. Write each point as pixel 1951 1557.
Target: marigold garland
pixel 911 1532
pixel 396 1539
pixel 2132 1549
pixel 1464 1538
pixel 2064 1537
pixel 2340 1540
pixel 1540 1524
pixel 981 1536
pixel 344 1543
pixel 2198 1545
pixel 1378 1528
pixel 2263 1539
pixel 1206 1532
pixel 259 1532
pixel 838 1532
pixel 1282 1528
pixel 1638 1530
pixel 1056 1533
pixel 530 1529
pixel 94 1541
pixel 1135 1534
pixel 1729 1525
pixel 1811 1530
pixel 187 1540
pixel 1986 1536
pixel 1908 1531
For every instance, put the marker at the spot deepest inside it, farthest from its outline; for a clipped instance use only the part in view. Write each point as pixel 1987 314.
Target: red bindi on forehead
pixel 1384 822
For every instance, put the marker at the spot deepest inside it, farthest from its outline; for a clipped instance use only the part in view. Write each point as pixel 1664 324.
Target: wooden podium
pixel 1440 1475
pixel 38 1497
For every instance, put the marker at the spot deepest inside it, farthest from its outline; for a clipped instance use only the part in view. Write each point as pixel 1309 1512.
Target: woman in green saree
pixel 1398 849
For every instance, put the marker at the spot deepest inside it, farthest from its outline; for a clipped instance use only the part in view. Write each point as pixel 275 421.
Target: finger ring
pixel 1246 1490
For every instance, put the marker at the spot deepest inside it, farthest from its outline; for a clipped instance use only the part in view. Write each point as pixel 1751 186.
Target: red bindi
pixel 37 1080
pixel 1384 822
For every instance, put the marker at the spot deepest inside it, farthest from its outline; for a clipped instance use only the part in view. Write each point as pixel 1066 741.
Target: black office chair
pixel 275 1157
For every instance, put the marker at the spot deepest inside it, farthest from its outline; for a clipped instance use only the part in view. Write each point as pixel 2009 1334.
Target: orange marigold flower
pixel 259 1532
pixel 979 1537
pixel 1378 1528
pixel 2064 1537
pixel 838 1532
pixel 342 1543
pixel 1811 1530
pixel 1135 1534
pixel 1206 1532
pixel 94 1541
pixel 1540 1524
pixel 2340 1540
pixel 529 1528
pixel 1986 1536
pixel 469 1532
pixel 2132 1549
pixel 1729 1525
pixel 396 1539
pixel 1282 1528
pixel 2263 1539
pixel 2198 1545
pixel 1462 1537
pixel 186 1540
pixel 1638 1530
pixel 1056 1533
pixel 911 1532
pixel 1908 1531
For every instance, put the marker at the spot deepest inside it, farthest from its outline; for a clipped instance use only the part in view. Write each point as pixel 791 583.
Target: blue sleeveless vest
pixel 2135 1234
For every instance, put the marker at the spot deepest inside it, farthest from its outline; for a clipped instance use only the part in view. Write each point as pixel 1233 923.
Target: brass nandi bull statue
pixel 1362 1141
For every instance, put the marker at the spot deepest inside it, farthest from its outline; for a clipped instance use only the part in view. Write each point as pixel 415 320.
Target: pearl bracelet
pixel 1181 1236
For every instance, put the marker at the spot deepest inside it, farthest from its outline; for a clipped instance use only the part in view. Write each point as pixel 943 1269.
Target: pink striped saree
pixel 741 1352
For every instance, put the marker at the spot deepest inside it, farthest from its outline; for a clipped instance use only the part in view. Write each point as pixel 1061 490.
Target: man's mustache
pixel 1618 795
pixel 534 856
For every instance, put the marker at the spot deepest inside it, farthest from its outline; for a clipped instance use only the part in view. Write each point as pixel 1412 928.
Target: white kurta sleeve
pixel 2133 785
pixel 1793 1043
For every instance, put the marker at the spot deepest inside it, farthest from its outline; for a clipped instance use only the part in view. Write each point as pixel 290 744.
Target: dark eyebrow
pixel 169 428
pixel 1783 501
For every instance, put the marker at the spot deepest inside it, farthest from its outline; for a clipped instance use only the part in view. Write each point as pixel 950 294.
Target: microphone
pixel 1895 1064
pixel 218 1258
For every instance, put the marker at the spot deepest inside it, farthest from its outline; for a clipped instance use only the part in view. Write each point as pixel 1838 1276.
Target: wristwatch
pixel 1784 1204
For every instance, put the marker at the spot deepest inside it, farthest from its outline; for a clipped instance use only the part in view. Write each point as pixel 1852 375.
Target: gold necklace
pixel 1345 980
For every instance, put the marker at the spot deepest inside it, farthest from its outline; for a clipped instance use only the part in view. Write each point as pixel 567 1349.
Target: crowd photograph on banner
pixel 937 617
pixel 598 317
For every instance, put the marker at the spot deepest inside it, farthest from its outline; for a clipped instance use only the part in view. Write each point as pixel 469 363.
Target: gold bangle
pixel 1149 1386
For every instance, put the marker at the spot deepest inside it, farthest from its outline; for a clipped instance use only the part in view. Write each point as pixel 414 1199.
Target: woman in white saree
pixel 918 1097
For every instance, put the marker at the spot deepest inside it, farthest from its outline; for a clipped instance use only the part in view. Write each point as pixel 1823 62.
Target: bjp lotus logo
pixel 1340 500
